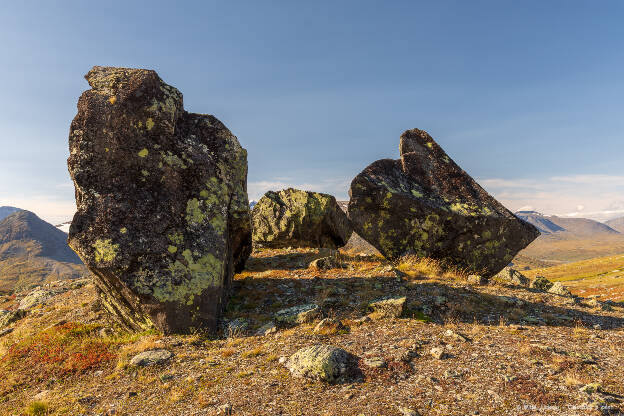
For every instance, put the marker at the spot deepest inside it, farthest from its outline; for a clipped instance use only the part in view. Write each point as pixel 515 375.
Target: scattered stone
pixel 559 289
pixel 541 283
pixel 151 357
pixel 9 317
pixel 298 314
pixel 163 216
pixel 512 276
pixel 329 326
pixel 391 307
pixel 322 362
pixel 5 331
pixel 404 411
pixel 225 410
pixel 595 303
pixel 283 360
pixel 592 388
pixel 266 329
pixel 362 320
pixel 437 353
pixel 327 263
pixel 236 327
pixel 294 218
pixel 34 298
pixel 455 335
pixel 375 362
pixel 478 280
pixel 425 204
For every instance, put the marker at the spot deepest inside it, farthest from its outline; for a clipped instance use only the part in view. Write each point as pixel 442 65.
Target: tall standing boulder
pixel 294 218
pixel 425 204
pixel 162 211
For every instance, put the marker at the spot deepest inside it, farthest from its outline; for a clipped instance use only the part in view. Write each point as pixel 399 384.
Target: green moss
pixel 105 251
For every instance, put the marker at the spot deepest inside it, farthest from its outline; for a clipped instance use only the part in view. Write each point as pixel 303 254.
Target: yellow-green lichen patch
pixel 172 160
pixel 429 145
pixel 105 251
pixel 144 172
pixel 417 194
pixel 123 230
pixel 172 249
pixel 176 238
pixel 149 123
pixel 143 153
pixel 197 275
pixel 194 214
pixel 112 100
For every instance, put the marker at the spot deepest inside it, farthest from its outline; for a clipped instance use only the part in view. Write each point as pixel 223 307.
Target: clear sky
pixel 527 96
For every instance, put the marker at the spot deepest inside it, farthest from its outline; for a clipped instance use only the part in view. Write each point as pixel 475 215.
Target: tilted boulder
pixel 163 219
pixel 425 204
pixel 294 218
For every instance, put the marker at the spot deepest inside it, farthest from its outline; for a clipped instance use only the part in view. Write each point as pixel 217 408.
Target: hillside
pixel 617 224
pixel 456 349
pixel 6 211
pixel 565 240
pixel 33 251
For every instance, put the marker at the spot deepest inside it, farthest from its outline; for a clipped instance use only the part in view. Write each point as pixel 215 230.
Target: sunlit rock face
pixel 163 220
pixel 425 204
pixel 295 218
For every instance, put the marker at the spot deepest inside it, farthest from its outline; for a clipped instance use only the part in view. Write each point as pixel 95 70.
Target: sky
pixel 525 96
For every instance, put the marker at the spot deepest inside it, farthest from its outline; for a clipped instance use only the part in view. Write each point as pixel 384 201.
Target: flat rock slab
pixel 388 307
pixel 163 215
pixel 298 314
pixel 151 357
pixel 426 205
pixel 295 218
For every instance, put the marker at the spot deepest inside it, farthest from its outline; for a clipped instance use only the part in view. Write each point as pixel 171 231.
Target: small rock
pixel 236 327
pixel 9 317
pixel 362 320
pixel 225 409
pixel 541 283
pixel 329 326
pixel 478 280
pixel 375 362
pixel 437 353
pixel 591 388
pixel 150 357
pixel 391 307
pixel 266 329
pixel 455 335
pixel 559 289
pixel 282 360
pixel 327 263
pixel 42 395
pixel 321 362
pixel 34 298
pixel 513 276
pixel 298 314
pixel 404 411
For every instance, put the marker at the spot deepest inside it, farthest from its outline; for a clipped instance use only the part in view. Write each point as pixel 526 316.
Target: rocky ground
pixel 440 346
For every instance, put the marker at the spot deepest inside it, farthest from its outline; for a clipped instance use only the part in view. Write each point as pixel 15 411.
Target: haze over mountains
pixel 551 224
pixel 33 252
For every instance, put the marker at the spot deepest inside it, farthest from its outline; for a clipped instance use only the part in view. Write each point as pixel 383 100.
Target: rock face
pixel 163 219
pixel 425 204
pixel 294 218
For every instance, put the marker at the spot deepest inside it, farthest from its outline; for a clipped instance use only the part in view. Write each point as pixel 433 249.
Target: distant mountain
pixel 33 252
pixel 616 224
pixel 6 211
pixel 577 227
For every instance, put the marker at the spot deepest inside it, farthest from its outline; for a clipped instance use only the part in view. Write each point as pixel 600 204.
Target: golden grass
pixel 423 268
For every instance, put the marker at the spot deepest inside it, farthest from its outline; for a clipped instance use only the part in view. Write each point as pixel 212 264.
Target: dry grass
pixel 425 268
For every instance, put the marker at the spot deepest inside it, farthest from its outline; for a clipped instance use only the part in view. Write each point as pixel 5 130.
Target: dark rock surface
pixel 163 218
pixel 294 218
pixel 425 204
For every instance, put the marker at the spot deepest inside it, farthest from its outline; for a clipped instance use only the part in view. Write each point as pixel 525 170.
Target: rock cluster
pixel 294 218
pixel 425 204
pixel 162 209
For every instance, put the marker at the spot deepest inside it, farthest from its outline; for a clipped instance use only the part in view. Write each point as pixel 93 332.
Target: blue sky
pixel 525 96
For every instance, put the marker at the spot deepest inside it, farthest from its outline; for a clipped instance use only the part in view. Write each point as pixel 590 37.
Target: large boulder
pixel 163 219
pixel 425 204
pixel 294 218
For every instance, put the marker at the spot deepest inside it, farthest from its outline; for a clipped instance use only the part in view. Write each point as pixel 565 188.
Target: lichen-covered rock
pixel 298 314
pixel 163 218
pixel 559 289
pixel 513 277
pixel 425 204
pixel 322 362
pixel 390 307
pixel 151 357
pixel 8 317
pixel 34 298
pixel 541 283
pixel 294 218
